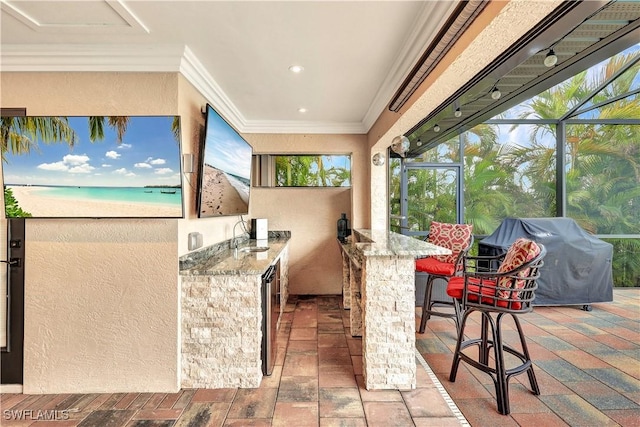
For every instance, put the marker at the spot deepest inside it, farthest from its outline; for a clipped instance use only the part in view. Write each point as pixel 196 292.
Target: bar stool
pixel 494 294
pixel 459 239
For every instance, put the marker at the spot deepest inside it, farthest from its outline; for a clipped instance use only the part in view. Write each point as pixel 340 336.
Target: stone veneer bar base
pixel 388 312
pixel 379 276
pixel 221 333
pixel 222 319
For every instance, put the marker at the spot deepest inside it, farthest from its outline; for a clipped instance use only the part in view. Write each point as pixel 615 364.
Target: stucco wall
pixel 101 296
pixel 102 307
pixel 311 213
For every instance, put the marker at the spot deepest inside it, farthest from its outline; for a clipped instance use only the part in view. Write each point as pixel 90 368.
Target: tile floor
pixel 587 363
pixel 317 381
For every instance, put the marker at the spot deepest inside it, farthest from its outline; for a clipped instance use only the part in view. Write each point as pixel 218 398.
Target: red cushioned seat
pixel 433 266
pixel 455 289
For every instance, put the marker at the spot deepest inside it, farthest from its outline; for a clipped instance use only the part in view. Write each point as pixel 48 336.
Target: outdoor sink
pixel 254 249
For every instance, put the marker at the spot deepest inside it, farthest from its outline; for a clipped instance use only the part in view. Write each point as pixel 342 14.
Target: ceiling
pixel 355 54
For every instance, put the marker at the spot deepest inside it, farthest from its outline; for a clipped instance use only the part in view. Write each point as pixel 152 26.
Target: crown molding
pixel 87 58
pixel 193 70
pixel 156 58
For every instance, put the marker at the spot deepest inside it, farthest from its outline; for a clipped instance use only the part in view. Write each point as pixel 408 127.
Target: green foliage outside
pixel 510 169
pixel 313 171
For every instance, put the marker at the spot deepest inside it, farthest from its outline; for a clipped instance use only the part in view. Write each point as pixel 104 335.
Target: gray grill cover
pixel 577 267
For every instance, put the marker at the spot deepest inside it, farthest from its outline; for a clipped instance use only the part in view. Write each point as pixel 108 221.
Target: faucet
pixel 234 241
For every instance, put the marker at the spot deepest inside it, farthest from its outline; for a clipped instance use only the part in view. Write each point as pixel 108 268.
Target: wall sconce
pixel 378 159
pixel 400 145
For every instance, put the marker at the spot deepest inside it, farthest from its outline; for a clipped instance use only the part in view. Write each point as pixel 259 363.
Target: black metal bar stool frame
pixel 429 302
pixel 479 296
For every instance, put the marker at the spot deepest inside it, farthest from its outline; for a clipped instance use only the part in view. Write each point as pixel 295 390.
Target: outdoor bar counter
pixel 379 288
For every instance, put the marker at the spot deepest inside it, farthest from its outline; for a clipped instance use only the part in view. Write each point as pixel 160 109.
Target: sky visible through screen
pixel 225 149
pixel 148 155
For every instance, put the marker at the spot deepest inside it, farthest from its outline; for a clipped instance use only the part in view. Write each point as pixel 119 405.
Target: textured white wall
pixel 101 296
pixel 100 311
pixel 311 213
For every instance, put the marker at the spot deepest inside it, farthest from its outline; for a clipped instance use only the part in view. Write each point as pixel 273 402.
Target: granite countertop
pixel 219 259
pixel 383 243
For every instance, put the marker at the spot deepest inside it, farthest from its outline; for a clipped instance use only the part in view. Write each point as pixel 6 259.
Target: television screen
pixel 225 169
pixel 92 167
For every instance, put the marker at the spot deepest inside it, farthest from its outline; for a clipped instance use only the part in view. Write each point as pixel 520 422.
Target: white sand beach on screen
pixel 219 197
pixel 31 200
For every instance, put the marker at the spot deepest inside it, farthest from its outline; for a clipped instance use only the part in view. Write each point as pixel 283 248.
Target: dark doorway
pixel 11 359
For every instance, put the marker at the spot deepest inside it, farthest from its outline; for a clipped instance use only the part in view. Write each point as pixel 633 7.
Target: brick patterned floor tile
pixel 299 414
pixel 151 423
pixel 253 403
pixel 203 414
pixel 332 356
pixel 158 414
pixel 107 418
pixel 303 333
pixel 343 422
pixel 300 365
pixel 340 403
pixel 337 376
pixel 387 414
pixel 214 395
pixel 298 389
pixel 426 402
pixel 576 411
pixel 331 340
pixel 548 419
pixel 627 418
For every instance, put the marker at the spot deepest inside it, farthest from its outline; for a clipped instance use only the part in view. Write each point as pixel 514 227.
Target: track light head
pixel 457 113
pixel 551 59
pixel 495 93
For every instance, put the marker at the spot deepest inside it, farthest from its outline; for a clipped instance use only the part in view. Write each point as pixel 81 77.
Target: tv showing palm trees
pixel 91 166
pixel 225 169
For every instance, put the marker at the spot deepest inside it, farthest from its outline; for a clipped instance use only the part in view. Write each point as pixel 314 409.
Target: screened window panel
pixel 313 170
pixel 602 179
pixel 509 171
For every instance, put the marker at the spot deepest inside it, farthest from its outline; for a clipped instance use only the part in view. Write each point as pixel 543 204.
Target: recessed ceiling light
pixel 296 68
pixel 302 110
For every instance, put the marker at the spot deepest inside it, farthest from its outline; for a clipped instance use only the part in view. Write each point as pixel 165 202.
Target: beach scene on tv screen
pixel 92 167
pixel 226 171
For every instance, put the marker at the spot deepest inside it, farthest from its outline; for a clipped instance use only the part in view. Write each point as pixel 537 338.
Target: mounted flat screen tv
pixel 92 167
pixel 225 169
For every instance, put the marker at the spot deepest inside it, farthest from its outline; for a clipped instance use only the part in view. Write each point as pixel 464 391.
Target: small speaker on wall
pixel 187 163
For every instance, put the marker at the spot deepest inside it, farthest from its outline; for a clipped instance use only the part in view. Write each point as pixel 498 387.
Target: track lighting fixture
pixel 457 113
pixel 436 128
pixel 551 59
pixel 495 93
